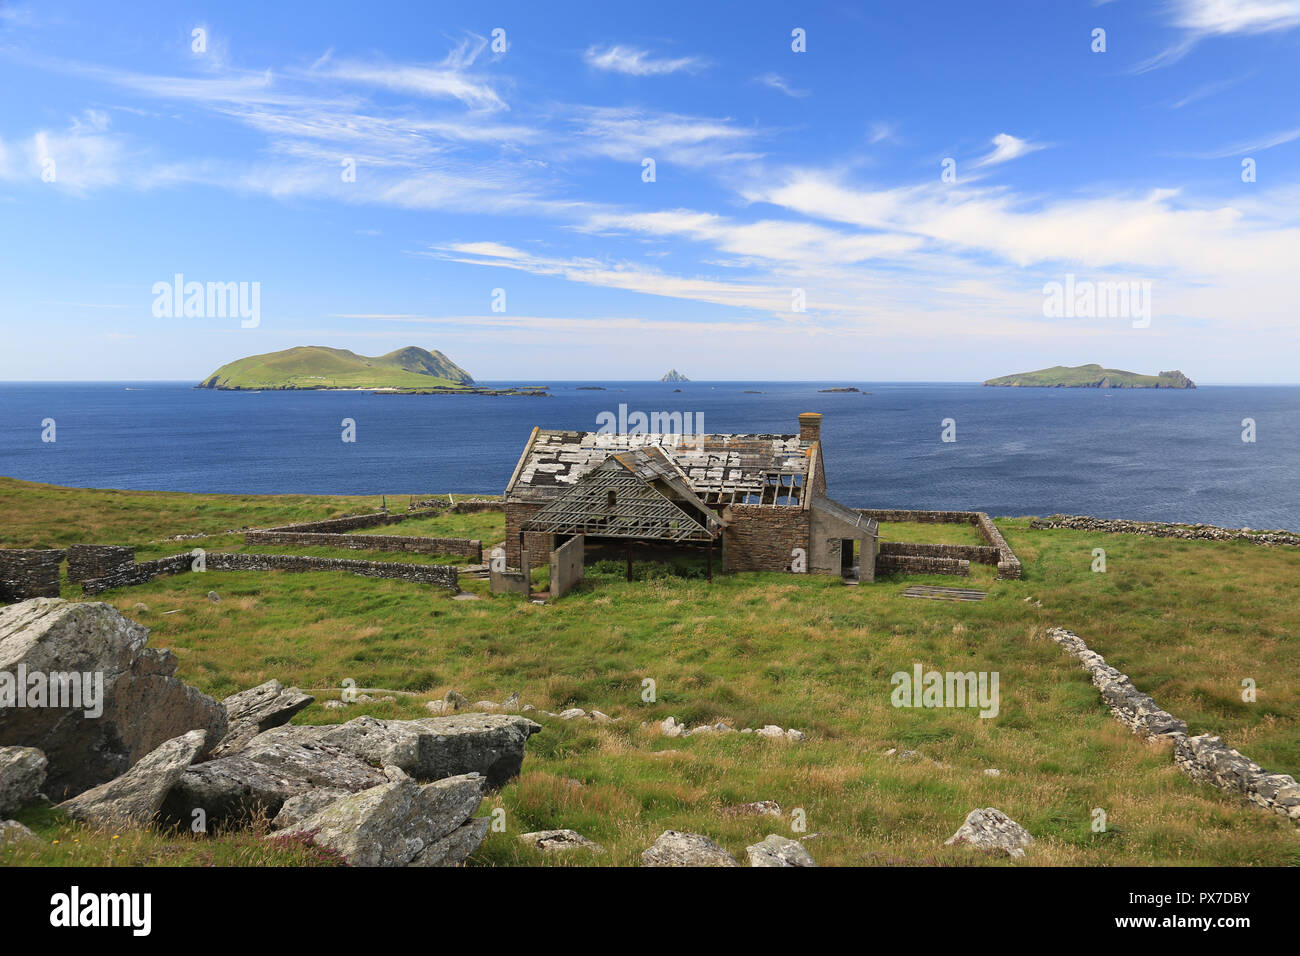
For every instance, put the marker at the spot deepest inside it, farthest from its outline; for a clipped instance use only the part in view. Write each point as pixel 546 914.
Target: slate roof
pixel 554 460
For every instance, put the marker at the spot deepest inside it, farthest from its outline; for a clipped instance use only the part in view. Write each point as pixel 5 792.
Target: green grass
pixel 313 366
pixel 915 532
pixel 1187 620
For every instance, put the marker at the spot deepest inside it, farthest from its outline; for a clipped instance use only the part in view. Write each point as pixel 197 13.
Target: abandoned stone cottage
pixel 758 500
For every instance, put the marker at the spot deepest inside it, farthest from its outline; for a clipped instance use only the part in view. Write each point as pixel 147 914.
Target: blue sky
pixel 521 169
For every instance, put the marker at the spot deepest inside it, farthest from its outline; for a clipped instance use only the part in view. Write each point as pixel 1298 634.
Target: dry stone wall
pixel 464 547
pixel 921 564
pixel 29 573
pixel 96 560
pixel 978 553
pixel 1007 562
pixel 1206 759
pixel 1160 529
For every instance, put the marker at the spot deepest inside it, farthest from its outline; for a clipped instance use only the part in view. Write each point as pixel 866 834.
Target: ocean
pixel 1152 454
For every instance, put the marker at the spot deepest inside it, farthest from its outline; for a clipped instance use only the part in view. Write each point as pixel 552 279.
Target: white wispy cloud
pixel 1256 145
pixel 1006 148
pixel 1201 19
pixel 636 62
pixel 778 82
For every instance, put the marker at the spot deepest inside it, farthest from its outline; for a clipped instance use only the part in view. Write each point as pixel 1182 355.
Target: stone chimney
pixel 810 426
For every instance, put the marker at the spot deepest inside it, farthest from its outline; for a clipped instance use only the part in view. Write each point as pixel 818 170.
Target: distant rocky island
pixel 1091 376
pixel 407 371
pixel 672 375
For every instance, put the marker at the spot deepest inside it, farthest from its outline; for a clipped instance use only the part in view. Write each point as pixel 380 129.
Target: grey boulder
pixel 144 704
pixel 135 798
pixel 22 771
pixel 429 748
pixel 258 709
pixel 991 829
pixel 674 848
pixel 13 832
pixel 551 841
pixel 400 823
pixel 777 850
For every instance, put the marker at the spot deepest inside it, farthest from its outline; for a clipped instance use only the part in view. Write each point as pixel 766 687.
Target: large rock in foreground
pixel 256 710
pixel 232 791
pixel 22 771
pixel 402 823
pixel 143 703
pixel 674 848
pixel 135 798
pixel 991 829
pixel 430 748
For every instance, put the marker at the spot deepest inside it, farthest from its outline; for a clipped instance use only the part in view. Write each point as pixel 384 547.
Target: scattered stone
pixel 140 607
pixel 572 713
pixel 143 703
pixel 674 848
pixel 528 708
pixel 776 850
pixel 135 798
pixel 401 823
pixel 333 705
pixel 511 702
pixel 761 808
pixel 670 728
pixel 13 832
pixel 455 701
pixel 214 597
pixel 551 841
pixel 260 708
pixel 991 829
pixel 22 771
pixel 487 707
pixel 600 718
pixel 992 772
pixel 795 735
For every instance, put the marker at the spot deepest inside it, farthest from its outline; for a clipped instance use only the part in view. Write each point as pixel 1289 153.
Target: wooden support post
pixel 629 562
pixel 710 560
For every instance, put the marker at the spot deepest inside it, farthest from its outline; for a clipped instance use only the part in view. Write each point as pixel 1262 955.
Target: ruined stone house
pixel 756 502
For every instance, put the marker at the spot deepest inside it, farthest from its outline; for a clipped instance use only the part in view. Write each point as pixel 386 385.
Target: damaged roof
pixel 554 460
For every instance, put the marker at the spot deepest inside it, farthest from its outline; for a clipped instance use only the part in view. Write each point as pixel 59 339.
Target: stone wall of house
pixel 920 564
pixel 762 538
pixel 1008 563
pixel 29 573
pixel 139 573
pixel 1160 529
pixel 517 512
pixel 96 560
pixel 567 566
pixel 1204 758
pixel 464 547
pixel 978 553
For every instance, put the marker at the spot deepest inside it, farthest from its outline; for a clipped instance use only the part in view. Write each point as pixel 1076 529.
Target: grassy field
pixel 1187 620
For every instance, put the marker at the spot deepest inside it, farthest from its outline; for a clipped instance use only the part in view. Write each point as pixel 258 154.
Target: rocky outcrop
pixel 143 703
pixel 135 798
pixel 991 829
pixel 429 748
pixel 776 850
pixel 401 823
pixel 674 848
pixel 232 791
pixel 22 772
pixel 250 712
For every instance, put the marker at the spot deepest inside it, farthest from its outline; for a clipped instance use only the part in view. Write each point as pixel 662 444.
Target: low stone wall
pixel 1206 759
pixel 464 547
pixel 96 560
pixel 512 582
pixel 351 523
pixel 27 573
pixel 1161 529
pixel 1007 562
pixel 917 564
pixel 978 553
pixel 461 507
pixel 444 575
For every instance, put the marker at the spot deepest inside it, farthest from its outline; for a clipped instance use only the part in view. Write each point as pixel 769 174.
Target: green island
pixel 1185 620
pixel 410 370
pixel 1091 376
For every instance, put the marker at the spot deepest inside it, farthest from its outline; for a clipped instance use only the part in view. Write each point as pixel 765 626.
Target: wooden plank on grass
pixel 942 594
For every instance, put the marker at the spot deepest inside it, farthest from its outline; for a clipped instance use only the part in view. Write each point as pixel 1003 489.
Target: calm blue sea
pixel 1150 454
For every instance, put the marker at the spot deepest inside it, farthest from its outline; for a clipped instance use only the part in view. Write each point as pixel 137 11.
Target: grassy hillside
pixel 1187 620
pixel 1091 376
pixel 314 366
